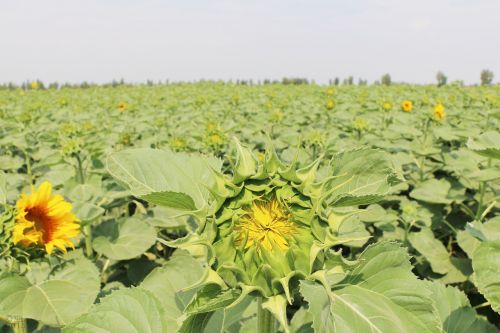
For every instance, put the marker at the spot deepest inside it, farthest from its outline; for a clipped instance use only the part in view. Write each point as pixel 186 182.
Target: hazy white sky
pixel 101 40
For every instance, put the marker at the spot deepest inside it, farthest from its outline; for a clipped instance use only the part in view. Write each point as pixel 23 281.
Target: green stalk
pixel 482 191
pixel 80 169
pixel 265 320
pixel 87 230
pixel 28 167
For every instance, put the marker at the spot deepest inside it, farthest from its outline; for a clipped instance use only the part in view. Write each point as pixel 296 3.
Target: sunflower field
pixel 216 207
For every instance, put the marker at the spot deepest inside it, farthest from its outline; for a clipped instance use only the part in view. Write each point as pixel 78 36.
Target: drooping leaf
pixel 126 310
pixel 455 269
pixel 487 270
pixel 168 282
pixel 487 144
pixel 65 294
pixel 176 180
pixel 379 295
pixel 455 312
pixel 361 176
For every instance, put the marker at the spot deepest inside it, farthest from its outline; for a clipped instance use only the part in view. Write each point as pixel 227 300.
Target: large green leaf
pixel 455 311
pixel 486 266
pixel 487 144
pixel 169 282
pixel 455 269
pixel 175 180
pixel 379 295
pixel 67 293
pixel 433 191
pixel 124 239
pixel 126 311
pixel 361 176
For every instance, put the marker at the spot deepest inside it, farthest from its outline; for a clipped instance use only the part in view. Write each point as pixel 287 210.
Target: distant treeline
pixel 486 78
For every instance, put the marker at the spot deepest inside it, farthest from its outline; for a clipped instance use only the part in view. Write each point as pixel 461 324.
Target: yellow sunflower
pixel 122 106
pixel 387 106
pixel 407 106
pixel 266 225
pixel 45 219
pixel 439 112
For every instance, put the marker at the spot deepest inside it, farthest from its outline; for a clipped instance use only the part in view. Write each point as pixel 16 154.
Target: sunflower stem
pixel 88 240
pixel 482 191
pixel 28 167
pixel 265 320
pixel 80 169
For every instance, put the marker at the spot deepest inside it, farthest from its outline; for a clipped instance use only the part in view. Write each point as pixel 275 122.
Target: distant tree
pixel 486 77
pixel 336 81
pixel 386 79
pixel 441 79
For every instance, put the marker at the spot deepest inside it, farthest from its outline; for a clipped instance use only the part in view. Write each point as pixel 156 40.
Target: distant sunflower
pixel 45 219
pixel 387 106
pixel 439 112
pixel 407 106
pixel 122 106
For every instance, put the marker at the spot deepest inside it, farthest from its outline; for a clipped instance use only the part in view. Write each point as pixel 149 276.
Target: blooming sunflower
pixel 439 112
pixel 407 106
pixel 330 104
pixel 45 219
pixel 122 106
pixel 387 106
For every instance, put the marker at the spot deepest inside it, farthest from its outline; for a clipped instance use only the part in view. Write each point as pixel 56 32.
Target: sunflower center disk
pixel 266 225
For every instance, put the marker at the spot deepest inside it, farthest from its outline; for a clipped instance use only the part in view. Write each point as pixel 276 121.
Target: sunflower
pixel 265 225
pixel 34 85
pixel 330 104
pixel 387 106
pixel 45 219
pixel 407 106
pixel 439 112
pixel 122 106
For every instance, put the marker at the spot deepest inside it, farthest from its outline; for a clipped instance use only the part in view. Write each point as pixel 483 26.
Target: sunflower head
pixel 330 104
pixel 407 106
pixel 122 106
pixel 387 106
pixel 266 225
pixel 439 112
pixel 34 85
pixel 45 219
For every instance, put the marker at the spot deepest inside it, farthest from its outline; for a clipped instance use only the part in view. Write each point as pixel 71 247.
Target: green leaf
pixel 487 272
pixel 87 212
pixel 433 191
pixel 487 144
pixel 455 311
pixel 379 295
pixel 171 199
pixel 210 298
pixel 360 176
pixel 441 261
pixel 277 306
pixel 176 180
pixel 169 284
pixel 124 239
pixel 127 310
pixel 67 293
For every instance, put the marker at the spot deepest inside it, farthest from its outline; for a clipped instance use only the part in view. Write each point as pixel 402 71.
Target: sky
pixel 185 40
